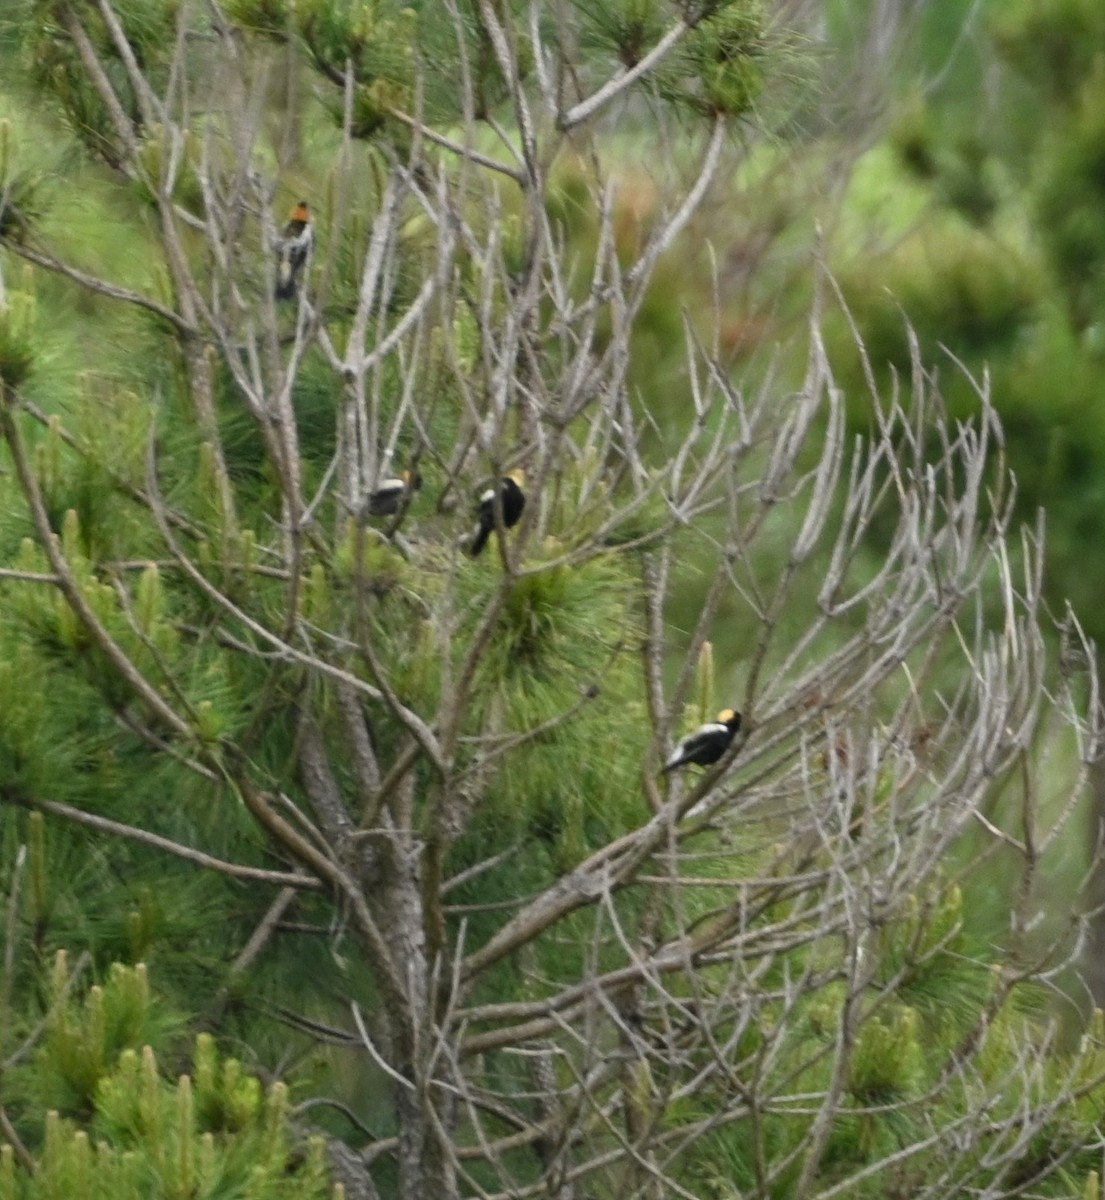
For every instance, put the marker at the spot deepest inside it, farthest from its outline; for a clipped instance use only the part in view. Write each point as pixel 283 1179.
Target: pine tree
pixel 390 818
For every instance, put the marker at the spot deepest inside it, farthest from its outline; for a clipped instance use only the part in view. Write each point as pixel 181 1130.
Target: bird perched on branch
pixel 707 743
pixel 391 495
pixel 293 250
pixel 512 500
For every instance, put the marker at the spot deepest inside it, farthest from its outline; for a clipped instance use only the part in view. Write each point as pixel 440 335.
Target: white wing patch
pixel 703 731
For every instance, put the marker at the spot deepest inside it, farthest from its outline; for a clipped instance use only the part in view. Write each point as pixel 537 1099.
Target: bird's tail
pixel 480 540
pixel 285 282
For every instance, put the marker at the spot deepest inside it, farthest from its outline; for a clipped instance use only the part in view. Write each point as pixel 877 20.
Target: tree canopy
pixel 337 859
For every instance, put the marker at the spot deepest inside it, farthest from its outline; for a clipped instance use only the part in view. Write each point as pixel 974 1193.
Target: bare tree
pixel 751 961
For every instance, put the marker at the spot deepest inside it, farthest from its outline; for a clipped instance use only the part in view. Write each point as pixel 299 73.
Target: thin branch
pixel 67 812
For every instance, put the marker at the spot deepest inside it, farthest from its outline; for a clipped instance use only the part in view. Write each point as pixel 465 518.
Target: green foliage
pixel 724 52
pixel 211 1136
pixel 704 683
pixel 151 30
pixel 1021 295
pixel 271 18
pixel 1054 44
pixel 376 40
pixel 626 28
pixel 170 168
pixel 552 729
pixel 86 1035
pixel 55 65
pixel 717 69
pixel 17 341
pixel 959 169
pixel 1070 197
pixel 20 189
pixel 116 1127
pixel 956 288
pixel 553 622
pixel 936 964
pixel 377 43
pixel 903 1078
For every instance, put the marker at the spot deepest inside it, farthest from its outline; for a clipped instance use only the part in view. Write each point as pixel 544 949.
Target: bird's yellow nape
pixel 518 475
pixel 726 715
pixel 300 212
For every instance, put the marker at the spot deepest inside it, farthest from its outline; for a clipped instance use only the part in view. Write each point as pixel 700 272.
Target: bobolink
pixel 707 743
pixel 293 250
pixel 512 501
pixel 391 495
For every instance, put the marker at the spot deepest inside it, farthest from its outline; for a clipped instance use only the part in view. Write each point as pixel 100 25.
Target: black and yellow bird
pixel 391 495
pixel 512 502
pixel 293 250
pixel 705 745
